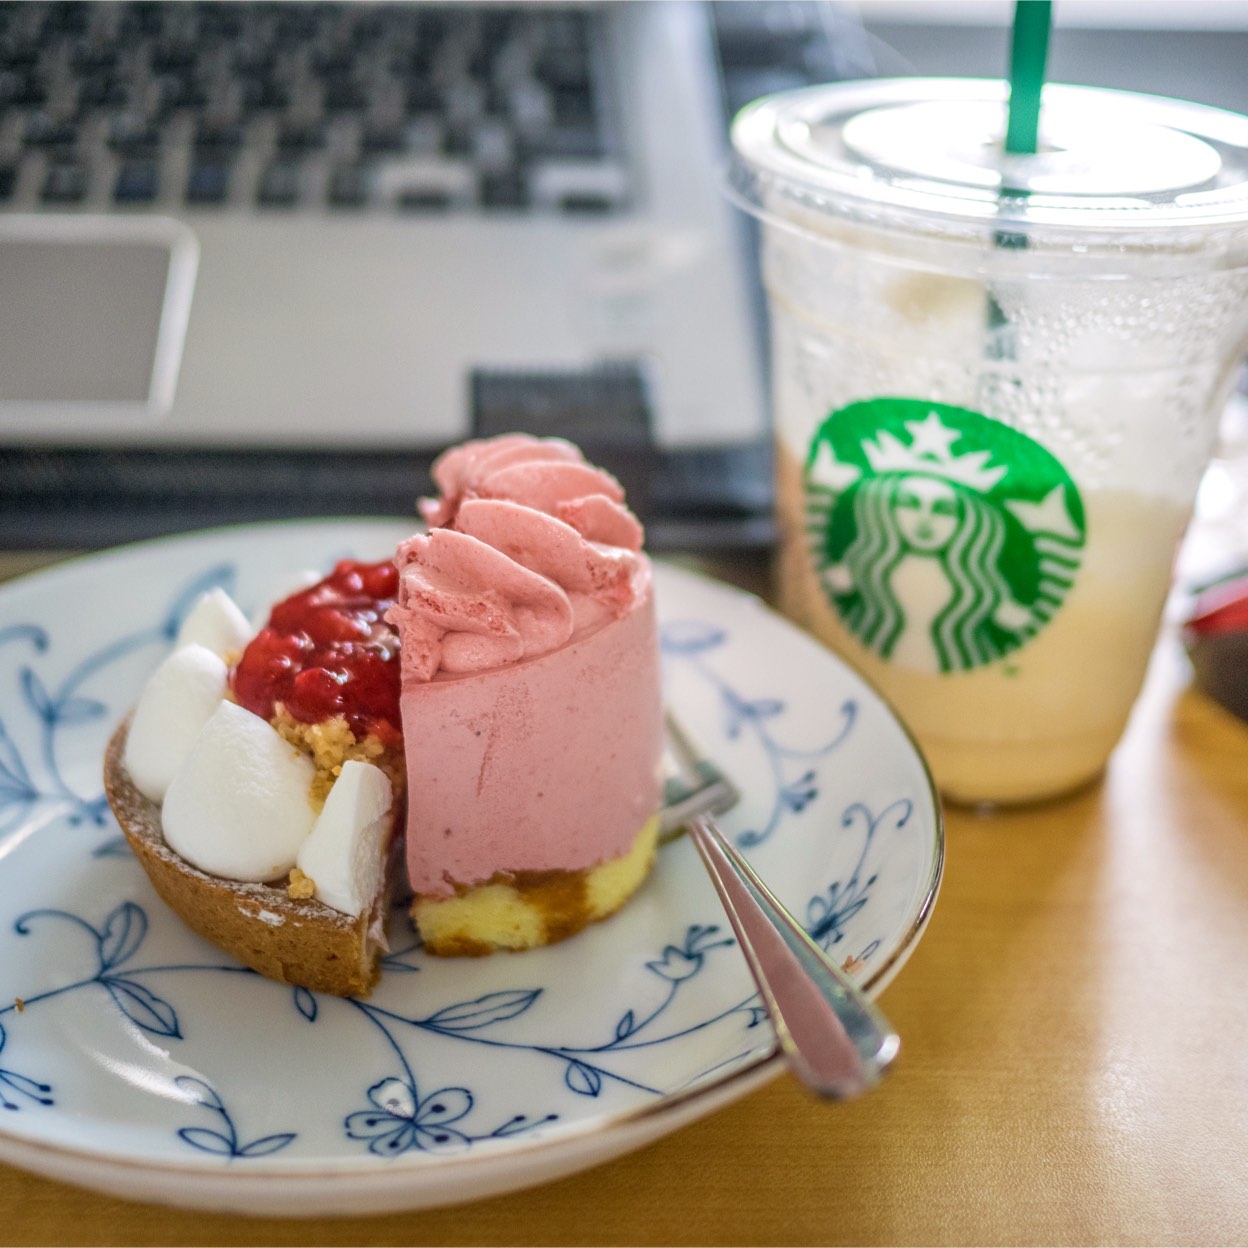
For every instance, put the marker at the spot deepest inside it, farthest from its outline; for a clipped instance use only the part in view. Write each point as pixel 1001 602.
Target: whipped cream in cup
pixel 997 381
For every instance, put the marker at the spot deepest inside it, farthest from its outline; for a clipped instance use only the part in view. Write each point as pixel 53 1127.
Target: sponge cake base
pixel 524 909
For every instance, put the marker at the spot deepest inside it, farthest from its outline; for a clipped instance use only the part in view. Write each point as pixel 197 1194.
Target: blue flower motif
pixel 36 1092
pixel 11 1081
pixel 224 1143
pixel 676 964
pixel 402 1121
pixel 683 962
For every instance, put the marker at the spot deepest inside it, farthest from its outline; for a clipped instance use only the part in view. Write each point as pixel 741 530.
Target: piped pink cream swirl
pixel 531 700
pixel 530 546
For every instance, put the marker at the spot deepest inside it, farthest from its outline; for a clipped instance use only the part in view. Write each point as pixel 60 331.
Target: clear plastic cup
pixel 997 381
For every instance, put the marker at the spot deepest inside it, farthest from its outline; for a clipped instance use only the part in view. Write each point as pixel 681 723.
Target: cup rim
pixel 790 163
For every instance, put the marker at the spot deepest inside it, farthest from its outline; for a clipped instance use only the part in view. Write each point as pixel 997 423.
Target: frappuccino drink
pixel 997 381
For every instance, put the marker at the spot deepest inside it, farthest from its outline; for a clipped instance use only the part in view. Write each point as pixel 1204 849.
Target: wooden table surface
pixel 1074 1068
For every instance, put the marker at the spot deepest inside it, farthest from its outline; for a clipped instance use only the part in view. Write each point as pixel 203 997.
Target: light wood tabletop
pixel 1074 1066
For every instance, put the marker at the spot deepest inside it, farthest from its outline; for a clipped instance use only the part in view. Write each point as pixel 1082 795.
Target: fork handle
pixel 836 1041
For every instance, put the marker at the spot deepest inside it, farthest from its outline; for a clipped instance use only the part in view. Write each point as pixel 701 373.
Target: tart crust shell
pixel 298 942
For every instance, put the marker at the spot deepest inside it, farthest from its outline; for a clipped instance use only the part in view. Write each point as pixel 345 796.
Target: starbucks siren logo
pixel 944 539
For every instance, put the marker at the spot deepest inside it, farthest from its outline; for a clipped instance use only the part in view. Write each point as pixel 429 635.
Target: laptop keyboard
pixel 276 106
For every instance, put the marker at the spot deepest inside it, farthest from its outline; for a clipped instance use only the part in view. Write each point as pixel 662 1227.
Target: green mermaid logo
pixel 944 540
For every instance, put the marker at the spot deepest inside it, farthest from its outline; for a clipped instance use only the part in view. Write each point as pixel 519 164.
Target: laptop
pixel 263 259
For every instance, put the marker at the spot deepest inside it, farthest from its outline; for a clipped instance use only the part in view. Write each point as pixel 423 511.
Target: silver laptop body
pixel 305 323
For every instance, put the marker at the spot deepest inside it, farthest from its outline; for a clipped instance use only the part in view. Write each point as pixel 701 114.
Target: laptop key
pixel 504 190
pixel 22 90
pixel 19 55
pixel 265 94
pixel 333 62
pixel 222 136
pixel 182 92
pixel 67 19
pixel 173 59
pixel 130 135
pixel 88 57
pixel 297 136
pixel 344 96
pixel 574 106
pixel 457 141
pixel 208 182
pixel 253 60
pixel 423 199
pixel 138 182
pixel 226 21
pixel 580 187
pixel 376 139
pixel 42 130
pixel 65 182
pixel 586 204
pixel 279 185
pixel 422 183
pixel 422 97
pixel 102 90
pixel 348 186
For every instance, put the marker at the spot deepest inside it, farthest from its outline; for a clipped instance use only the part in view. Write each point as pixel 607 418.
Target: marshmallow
pixel 240 806
pixel 216 623
pixel 345 853
pixel 178 699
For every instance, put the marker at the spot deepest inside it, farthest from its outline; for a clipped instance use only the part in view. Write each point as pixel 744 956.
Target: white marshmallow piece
pixel 216 623
pixel 177 701
pixel 240 807
pixel 345 854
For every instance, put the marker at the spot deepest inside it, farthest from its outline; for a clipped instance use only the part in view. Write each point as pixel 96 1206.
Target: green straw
pixel 1029 49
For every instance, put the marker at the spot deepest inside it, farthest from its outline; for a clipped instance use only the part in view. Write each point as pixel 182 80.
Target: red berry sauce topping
pixel 328 651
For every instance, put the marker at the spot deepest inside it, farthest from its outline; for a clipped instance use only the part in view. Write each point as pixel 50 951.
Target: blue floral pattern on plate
pixel 123 1034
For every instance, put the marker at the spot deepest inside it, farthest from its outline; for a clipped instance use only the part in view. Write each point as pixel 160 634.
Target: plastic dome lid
pixel 926 154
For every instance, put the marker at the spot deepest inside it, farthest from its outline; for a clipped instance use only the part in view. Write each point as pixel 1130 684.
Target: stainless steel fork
pixel 836 1041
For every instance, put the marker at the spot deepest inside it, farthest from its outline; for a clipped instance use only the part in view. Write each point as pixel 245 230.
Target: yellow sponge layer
pixel 535 907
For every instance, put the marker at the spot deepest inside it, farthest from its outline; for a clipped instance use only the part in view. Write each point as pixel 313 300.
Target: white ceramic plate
pixel 142 1062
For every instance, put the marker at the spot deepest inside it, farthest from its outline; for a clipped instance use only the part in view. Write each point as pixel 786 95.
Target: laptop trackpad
pixel 93 312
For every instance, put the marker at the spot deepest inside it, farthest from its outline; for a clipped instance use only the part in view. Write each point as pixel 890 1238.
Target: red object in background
pixel 1216 636
pixel 1221 609
pixel 328 651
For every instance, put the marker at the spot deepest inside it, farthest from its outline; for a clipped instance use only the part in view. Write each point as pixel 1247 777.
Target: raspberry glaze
pixel 328 651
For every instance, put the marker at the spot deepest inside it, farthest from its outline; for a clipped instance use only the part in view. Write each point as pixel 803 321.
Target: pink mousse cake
pixel 530 698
